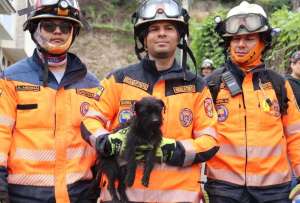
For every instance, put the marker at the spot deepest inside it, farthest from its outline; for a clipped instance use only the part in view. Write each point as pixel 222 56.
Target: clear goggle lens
pixel 251 22
pixel 149 9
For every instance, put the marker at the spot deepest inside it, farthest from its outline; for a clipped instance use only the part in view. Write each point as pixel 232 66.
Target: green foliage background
pixel 205 42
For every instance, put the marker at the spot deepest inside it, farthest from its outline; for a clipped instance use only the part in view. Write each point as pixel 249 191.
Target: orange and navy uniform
pixel 256 139
pixel 189 118
pixel 42 151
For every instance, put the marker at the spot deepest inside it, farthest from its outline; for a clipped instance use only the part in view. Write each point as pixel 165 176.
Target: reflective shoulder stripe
pixel 37 180
pixel 207 131
pixel 50 155
pixel 252 151
pixel 250 179
pixel 74 177
pixel 78 152
pixel 7 121
pixel 3 159
pixel 97 134
pixel 190 152
pixel 46 180
pixel 97 115
pixel 292 129
pixel 35 155
pixel 141 195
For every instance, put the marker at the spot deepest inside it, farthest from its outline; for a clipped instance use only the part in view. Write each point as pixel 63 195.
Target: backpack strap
pixel 278 83
pixel 214 82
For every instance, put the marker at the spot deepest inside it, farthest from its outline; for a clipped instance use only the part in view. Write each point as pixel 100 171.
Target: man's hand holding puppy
pixel 112 144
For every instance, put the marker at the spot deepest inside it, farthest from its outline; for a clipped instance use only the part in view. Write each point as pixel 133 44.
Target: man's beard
pixel 162 55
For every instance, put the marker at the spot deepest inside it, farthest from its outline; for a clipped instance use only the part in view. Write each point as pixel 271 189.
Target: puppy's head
pixel 148 111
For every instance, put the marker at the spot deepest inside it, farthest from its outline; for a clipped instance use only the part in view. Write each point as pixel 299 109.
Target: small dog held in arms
pixel 144 129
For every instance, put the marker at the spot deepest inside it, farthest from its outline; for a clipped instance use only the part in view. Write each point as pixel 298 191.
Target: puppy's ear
pixel 135 107
pixel 162 105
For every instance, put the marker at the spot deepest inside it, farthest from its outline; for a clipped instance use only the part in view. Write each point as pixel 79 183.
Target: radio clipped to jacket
pixel 231 83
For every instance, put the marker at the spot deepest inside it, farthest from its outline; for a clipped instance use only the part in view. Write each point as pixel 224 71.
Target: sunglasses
pixel 64 27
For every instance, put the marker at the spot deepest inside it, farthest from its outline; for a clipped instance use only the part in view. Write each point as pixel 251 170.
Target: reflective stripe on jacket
pixel 40 136
pixel 189 117
pixel 256 141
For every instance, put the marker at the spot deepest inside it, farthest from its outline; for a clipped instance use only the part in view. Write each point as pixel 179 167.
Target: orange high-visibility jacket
pixel 256 141
pixel 189 117
pixel 40 137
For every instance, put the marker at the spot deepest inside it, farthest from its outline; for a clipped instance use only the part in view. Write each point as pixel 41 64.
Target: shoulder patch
pixel 222 112
pixel 184 89
pixel 90 95
pixel 127 102
pixel 208 107
pixel 186 117
pixel 135 83
pixel 28 88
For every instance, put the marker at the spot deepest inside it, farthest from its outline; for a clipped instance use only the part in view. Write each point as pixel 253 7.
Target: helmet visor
pixel 150 8
pixel 251 22
pixel 63 3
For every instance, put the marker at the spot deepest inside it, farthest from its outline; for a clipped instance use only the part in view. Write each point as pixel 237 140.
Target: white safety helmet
pixel 245 18
pixel 207 63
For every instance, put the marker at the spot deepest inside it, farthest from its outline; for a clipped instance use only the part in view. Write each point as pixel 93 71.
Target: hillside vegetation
pixel 110 43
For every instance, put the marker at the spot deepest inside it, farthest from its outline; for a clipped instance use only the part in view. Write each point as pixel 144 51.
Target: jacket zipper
pixel 246 143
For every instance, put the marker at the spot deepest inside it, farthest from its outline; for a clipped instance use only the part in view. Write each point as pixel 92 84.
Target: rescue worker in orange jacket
pixel 258 122
pixel 43 157
pixel 189 117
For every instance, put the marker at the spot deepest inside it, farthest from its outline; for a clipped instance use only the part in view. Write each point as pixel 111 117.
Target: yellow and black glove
pixel 295 191
pixel 112 144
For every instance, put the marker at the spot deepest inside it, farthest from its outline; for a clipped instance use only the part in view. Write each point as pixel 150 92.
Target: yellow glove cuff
pixel 295 191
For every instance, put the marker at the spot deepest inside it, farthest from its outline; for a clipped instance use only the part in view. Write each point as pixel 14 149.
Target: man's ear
pixel 145 43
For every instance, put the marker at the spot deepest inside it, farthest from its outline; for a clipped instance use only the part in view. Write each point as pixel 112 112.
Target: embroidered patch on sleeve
pixel 186 117
pixel 208 107
pixel 222 113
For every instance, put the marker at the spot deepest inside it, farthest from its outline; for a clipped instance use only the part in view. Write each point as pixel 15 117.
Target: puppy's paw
pixel 129 181
pixel 145 181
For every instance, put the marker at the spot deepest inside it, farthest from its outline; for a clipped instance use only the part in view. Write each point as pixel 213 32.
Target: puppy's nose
pixel 156 121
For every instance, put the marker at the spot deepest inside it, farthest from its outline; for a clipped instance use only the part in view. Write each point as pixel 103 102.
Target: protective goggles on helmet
pixel 170 8
pixel 251 22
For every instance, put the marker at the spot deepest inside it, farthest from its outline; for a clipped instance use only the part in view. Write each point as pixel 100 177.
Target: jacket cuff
pixel 3 180
pixel 103 146
pixel 177 159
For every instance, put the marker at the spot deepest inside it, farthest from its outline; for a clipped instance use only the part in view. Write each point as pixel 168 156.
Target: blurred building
pixel 15 44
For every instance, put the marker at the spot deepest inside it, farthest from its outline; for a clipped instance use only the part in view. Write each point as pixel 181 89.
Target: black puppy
pixel 144 129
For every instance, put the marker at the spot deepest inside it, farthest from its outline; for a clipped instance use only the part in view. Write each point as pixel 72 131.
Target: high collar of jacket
pixel 174 72
pixel 289 77
pixel 239 74
pixel 75 69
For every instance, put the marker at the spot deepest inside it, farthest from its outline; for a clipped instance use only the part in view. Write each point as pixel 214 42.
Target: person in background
pixel 294 77
pixel 207 67
pixel 43 157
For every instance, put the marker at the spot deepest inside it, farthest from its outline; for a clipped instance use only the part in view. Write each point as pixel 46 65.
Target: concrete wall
pixel 15 44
